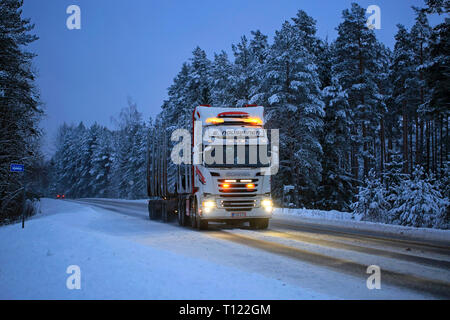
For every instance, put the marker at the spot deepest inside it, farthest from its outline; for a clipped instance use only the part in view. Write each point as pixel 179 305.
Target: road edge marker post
pixel 14 167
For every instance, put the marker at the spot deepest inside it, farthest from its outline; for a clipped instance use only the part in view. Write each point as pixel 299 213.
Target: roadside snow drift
pixel 34 261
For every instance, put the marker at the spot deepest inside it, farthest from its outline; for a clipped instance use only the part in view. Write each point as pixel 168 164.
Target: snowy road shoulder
pixel 344 220
pixel 34 260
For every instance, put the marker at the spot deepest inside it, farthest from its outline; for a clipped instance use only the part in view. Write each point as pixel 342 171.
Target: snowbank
pixel 345 220
pixel 34 260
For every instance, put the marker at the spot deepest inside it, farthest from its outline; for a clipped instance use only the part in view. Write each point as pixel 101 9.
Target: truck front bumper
pixel 219 213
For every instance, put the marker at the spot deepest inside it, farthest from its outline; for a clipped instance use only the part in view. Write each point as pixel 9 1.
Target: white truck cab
pixel 227 179
pixel 230 183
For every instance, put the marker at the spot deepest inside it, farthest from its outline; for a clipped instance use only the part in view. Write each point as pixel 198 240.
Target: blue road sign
pixel 17 167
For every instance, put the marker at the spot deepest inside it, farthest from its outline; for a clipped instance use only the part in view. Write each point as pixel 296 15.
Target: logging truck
pixel 224 171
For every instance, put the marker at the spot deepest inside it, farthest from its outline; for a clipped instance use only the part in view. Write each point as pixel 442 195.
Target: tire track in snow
pixel 439 289
pixel 362 236
pixel 358 248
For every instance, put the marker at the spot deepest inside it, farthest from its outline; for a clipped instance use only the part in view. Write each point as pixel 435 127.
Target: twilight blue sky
pixel 136 47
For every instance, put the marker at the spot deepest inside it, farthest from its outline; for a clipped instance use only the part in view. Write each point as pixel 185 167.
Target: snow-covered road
pixel 123 255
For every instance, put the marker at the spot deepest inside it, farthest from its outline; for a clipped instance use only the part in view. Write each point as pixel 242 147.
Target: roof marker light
pixel 253 121
pixel 232 114
pixel 214 120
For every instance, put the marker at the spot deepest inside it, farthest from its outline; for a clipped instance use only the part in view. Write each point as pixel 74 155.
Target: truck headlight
pixel 267 204
pixel 208 205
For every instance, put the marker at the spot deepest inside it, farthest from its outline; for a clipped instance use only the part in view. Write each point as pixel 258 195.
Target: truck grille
pixel 238 205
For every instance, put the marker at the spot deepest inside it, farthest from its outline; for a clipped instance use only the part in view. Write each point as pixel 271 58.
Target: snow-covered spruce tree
pixel 199 88
pixel 436 75
pixel 336 189
pixel 191 87
pixel 372 203
pixel 259 49
pixel 19 106
pixel 86 152
pixel 176 110
pixel 393 175
pixel 324 58
pixel 130 155
pixel 295 106
pixel 242 73
pixel 101 163
pixel 402 73
pixel 420 111
pixel 419 203
pixel 69 160
pixel 249 69
pixel 355 66
pixel 221 88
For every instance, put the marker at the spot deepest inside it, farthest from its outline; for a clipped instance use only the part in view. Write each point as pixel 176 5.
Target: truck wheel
pixel 193 214
pixel 151 210
pixel 181 212
pixel 202 224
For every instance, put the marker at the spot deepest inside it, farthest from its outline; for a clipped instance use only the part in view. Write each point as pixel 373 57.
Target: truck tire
pixel 182 212
pixel 193 214
pixel 202 224
pixel 164 213
pixel 198 223
pixel 151 210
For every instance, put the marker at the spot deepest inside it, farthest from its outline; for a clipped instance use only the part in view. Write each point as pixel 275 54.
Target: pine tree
pixel 259 50
pixel 436 75
pixel 198 83
pixel 295 106
pixel 355 68
pixel 101 163
pixel 336 189
pixel 372 200
pixel 19 106
pixel 324 57
pixel 242 74
pixel 419 203
pixel 221 88
pixel 130 154
pixel 402 76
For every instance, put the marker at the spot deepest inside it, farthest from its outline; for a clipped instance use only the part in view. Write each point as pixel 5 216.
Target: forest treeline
pixel 363 128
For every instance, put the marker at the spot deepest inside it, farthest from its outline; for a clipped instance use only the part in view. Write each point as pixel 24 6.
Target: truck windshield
pixel 250 156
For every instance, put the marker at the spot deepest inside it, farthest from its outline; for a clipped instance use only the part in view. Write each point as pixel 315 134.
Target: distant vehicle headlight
pixel 267 204
pixel 208 205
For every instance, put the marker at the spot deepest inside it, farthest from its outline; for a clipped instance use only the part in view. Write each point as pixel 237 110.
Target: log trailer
pixel 207 189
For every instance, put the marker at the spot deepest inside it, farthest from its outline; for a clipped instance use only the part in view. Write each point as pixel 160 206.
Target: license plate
pixel 238 214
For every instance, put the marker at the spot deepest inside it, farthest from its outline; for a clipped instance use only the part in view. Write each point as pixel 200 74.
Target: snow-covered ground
pixel 123 255
pixel 34 260
pixel 346 219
